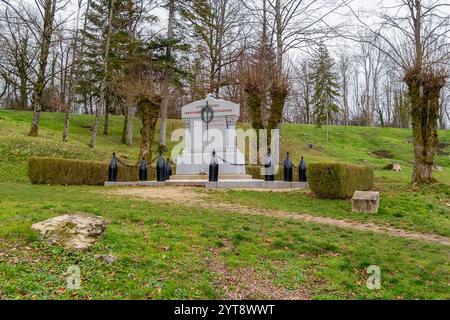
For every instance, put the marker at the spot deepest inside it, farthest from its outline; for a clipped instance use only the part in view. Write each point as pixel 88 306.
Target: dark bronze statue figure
pixel 213 168
pixel 160 168
pixel 143 170
pixel 113 168
pixel 168 171
pixel 287 169
pixel 269 167
pixel 302 171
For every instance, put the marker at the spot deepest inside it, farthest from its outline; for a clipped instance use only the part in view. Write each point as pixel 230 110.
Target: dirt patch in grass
pixel 179 195
pixel 195 197
pixel 247 283
pixel 383 154
pixel 440 148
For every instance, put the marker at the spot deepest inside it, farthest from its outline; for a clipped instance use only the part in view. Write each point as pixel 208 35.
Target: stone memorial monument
pixel 210 126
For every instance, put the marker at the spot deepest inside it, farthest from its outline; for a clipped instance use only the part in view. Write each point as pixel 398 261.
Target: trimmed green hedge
pixel 338 180
pixel 42 170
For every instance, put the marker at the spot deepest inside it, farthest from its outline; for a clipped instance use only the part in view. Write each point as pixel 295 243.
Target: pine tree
pixel 124 17
pixel 94 35
pixel 170 54
pixel 325 87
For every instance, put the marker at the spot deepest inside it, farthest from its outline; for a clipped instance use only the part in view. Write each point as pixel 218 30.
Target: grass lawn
pixel 169 250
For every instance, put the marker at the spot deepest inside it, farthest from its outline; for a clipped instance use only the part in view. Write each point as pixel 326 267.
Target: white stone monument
pixel 210 125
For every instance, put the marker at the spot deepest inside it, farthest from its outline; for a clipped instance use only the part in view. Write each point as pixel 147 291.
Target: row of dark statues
pixel 288 166
pixel 164 169
pixel 269 168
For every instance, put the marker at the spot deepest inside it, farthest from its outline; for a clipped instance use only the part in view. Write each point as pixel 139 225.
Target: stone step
pixel 205 177
pixel 221 184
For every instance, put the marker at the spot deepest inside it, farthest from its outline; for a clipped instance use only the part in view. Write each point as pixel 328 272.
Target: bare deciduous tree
pixel 415 36
pixel 345 69
pixel 105 61
pixel 76 60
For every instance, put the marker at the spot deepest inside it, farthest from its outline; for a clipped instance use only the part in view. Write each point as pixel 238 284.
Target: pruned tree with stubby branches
pixel 415 34
pixel 140 85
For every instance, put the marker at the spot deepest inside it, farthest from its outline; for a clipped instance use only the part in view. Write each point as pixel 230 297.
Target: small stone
pixel 396 167
pixel 76 231
pixel 438 168
pixel 365 202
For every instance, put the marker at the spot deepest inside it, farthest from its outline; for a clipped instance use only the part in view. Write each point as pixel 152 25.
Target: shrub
pixel 42 170
pixel 338 180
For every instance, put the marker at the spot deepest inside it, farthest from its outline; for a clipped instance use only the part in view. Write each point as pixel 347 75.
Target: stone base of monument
pixel 221 184
pixel 197 163
pixel 205 177
pixel 134 183
pixel 255 184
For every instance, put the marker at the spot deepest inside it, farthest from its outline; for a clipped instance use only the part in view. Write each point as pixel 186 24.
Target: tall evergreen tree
pixel 94 41
pixel 170 55
pixel 123 21
pixel 104 78
pixel 325 87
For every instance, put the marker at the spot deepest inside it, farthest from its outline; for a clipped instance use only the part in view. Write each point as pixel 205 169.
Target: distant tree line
pixel 147 58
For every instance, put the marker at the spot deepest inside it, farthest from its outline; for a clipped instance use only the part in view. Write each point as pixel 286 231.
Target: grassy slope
pixel 16 146
pixel 425 210
pixel 162 249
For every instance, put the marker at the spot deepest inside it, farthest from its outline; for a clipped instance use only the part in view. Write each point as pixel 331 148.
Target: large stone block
pixel 77 231
pixel 365 201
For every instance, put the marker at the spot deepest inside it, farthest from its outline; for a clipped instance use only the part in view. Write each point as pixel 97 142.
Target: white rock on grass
pixel 76 231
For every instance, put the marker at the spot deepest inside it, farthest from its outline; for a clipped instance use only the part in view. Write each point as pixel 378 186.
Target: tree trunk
pixel 254 102
pixel 46 37
pixel 127 133
pixel 145 137
pixel 129 138
pixel 212 75
pixel 220 35
pixel 149 116
pixel 75 61
pixel 101 104
pixel 279 38
pixel 265 64
pixel 278 93
pixel 91 108
pixel 125 129
pixel 106 125
pixel 345 98
pixel 23 95
pixel 423 89
pixel 166 81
